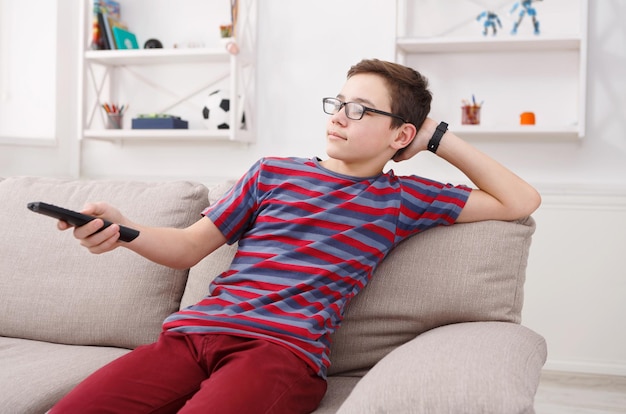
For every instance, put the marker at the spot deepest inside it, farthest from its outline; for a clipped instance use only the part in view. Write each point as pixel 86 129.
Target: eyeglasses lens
pixel 353 110
pixel 331 106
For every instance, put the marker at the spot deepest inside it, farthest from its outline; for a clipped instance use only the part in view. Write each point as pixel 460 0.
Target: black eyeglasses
pixel 353 110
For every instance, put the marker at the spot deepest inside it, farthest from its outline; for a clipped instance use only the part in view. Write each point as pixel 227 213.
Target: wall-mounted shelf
pixel 137 57
pixel 170 80
pixel 545 73
pixel 147 135
pixel 487 44
pixel 515 132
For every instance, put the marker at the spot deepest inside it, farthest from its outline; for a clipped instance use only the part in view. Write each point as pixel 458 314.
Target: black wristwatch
pixel 433 144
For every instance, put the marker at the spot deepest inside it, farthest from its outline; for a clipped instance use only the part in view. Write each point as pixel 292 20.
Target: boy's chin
pixel 339 155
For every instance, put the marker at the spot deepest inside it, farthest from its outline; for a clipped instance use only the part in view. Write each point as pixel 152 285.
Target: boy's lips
pixel 334 134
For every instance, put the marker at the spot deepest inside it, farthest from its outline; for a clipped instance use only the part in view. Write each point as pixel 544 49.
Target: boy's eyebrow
pixel 358 100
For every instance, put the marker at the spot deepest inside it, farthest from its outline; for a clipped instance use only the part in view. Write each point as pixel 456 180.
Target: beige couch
pixel 436 331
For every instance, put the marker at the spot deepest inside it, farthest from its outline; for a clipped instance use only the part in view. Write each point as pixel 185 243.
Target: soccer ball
pixel 216 111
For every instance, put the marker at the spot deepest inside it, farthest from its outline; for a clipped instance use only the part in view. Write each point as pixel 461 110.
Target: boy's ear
pixel 406 134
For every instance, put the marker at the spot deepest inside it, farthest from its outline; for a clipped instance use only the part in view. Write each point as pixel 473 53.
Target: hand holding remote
pixel 79 219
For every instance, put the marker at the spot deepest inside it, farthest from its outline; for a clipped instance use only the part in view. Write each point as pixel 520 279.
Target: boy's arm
pixel 501 195
pixel 176 248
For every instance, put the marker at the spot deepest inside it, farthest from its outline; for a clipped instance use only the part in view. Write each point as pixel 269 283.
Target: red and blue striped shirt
pixel 309 240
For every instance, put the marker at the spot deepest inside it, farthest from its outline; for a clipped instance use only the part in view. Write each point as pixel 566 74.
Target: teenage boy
pixel 310 234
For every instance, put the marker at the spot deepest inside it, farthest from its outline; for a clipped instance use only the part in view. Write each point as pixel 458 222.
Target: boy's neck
pixel 352 169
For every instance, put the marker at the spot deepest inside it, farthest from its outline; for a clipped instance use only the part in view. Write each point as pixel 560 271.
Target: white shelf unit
pixel 486 45
pixel 544 74
pixel 101 69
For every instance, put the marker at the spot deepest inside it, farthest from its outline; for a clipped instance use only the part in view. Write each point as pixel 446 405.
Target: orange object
pixel 527 118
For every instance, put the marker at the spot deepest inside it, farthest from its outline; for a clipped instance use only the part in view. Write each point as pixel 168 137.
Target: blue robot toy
pixel 527 9
pixel 490 21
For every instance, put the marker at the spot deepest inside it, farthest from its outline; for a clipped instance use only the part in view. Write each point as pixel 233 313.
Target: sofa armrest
pixel 473 367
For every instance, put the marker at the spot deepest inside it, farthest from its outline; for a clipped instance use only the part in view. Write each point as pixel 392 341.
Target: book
pixel 111 8
pixel 103 32
pixel 106 20
pixel 113 22
pixel 104 13
pixel 124 39
pixel 96 38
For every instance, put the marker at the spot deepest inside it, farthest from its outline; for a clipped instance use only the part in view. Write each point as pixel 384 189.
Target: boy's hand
pixel 88 235
pixel 420 142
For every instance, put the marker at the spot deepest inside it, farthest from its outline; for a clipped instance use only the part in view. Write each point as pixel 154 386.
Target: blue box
pixel 159 123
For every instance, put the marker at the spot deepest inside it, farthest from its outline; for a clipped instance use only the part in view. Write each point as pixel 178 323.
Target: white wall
pixel 576 284
pixel 576 277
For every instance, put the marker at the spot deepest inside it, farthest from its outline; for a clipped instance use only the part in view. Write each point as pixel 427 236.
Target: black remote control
pixel 78 219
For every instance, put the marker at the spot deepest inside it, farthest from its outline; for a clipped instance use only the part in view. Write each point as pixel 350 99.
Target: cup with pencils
pixel 115 115
pixel 470 112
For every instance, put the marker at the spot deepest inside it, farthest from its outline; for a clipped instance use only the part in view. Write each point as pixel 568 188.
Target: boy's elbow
pixel 530 205
pixel 538 200
pixel 185 262
pixel 535 202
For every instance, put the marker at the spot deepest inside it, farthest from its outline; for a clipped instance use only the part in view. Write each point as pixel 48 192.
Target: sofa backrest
pixel 54 290
pixel 461 273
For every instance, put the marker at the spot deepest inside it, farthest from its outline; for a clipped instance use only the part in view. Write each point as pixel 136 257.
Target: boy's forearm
pixel 160 245
pixel 177 248
pixel 505 195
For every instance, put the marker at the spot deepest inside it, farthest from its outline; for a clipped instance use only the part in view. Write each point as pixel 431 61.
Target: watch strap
pixel 433 144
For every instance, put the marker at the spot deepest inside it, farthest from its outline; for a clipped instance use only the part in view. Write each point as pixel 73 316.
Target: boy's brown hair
pixel 410 97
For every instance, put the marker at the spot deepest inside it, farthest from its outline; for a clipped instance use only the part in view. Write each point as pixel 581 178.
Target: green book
pixel 124 39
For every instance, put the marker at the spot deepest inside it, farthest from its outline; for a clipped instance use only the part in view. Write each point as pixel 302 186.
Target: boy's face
pixel 369 139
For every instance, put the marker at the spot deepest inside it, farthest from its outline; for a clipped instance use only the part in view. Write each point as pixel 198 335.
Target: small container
pixel 527 118
pixel 115 121
pixel 470 115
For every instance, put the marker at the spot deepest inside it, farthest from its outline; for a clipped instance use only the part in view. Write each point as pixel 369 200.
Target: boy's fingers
pixel 62 225
pixel 93 209
pixel 88 229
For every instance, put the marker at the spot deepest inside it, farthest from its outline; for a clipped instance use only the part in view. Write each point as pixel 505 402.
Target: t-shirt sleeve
pixel 236 210
pixel 427 203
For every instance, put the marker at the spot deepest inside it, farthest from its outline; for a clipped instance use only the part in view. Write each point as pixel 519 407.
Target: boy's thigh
pixel 255 376
pixel 155 378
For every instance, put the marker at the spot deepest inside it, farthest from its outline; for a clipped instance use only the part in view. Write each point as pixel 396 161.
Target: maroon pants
pixel 199 373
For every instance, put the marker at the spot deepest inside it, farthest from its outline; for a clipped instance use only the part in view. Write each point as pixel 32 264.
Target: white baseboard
pixel 586 367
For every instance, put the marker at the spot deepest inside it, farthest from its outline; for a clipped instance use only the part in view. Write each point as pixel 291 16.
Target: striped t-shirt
pixel 309 240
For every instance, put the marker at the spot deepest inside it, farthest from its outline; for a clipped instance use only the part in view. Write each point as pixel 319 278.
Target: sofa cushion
pixel 461 273
pixel 480 367
pixel 54 290
pixel 338 390
pixel 36 374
